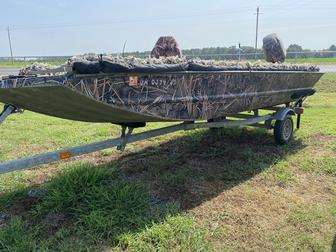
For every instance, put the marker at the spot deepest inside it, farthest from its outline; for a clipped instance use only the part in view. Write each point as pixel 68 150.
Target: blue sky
pixel 61 27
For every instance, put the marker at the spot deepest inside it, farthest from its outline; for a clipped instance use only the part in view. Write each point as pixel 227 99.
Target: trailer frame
pixel 239 119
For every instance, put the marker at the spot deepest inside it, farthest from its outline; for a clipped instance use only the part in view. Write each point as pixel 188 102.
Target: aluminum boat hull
pixel 139 97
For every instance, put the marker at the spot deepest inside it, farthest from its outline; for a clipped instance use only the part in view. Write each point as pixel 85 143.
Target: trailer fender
pixel 282 113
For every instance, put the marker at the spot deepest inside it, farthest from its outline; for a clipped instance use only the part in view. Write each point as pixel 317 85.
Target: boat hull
pixel 180 96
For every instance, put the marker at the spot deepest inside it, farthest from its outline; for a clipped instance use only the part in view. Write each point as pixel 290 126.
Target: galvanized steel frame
pixel 120 142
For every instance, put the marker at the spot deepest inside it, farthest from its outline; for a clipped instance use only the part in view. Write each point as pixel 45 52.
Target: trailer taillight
pixel 65 155
pixel 299 110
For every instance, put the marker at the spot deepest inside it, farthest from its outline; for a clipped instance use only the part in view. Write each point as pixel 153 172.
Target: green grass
pixel 231 190
pixel 21 63
pixel 308 220
pixel 178 233
pixel 89 207
pixel 317 61
pixel 327 83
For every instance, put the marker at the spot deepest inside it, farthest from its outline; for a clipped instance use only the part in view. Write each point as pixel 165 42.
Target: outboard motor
pixel 166 47
pixel 273 49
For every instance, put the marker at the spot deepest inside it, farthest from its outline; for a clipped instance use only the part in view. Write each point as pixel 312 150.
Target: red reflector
pixel 299 110
pixel 65 155
pixel 133 81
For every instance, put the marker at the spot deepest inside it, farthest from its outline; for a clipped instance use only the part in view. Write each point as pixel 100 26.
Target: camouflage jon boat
pixel 138 97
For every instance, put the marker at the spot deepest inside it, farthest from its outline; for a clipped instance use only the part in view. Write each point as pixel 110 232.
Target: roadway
pixel 9 71
pixel 328 68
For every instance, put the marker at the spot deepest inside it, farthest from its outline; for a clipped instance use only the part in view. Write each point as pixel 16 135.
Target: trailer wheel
pixel 283 130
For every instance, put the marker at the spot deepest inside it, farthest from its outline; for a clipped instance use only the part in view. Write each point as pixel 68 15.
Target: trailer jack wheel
pixel 283 130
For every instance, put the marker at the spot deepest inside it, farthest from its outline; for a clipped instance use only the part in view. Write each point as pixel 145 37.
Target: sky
pixel 70 27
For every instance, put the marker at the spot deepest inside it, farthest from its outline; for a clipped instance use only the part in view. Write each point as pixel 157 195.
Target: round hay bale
pixel 166 47
pixel 273 48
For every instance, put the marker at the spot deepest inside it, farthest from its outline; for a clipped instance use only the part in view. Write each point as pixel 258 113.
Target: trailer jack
pixel 7 110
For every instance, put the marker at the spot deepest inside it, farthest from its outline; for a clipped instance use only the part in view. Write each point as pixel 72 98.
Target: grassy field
pixel 317 61
pixel 20 63
pixel 234 190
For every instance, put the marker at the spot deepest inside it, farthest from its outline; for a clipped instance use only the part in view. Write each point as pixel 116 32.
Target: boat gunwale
pixel 78 76
pixel 74 75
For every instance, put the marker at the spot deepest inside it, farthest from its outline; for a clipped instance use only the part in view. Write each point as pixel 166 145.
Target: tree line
pixel 296 51
pixel 245 52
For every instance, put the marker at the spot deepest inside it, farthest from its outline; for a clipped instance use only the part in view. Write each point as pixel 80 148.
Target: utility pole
pixel 10 44
pixel 257 28
pixel 123 51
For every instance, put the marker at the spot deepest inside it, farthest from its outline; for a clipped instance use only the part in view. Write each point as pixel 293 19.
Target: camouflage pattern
pixel 26 82
pixel 185 96
pixel 166 47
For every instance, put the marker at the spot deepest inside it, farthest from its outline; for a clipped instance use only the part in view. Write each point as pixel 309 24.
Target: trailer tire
pixel 283 130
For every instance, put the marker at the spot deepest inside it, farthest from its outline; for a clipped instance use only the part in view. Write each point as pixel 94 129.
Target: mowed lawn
pixel 21 63
pixel 317 61
pixel 232 190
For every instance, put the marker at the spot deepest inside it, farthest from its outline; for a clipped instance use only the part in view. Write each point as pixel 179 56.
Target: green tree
pixel 294 48
pixel 332 48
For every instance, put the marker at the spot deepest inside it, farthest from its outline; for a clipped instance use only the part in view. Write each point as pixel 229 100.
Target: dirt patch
pixel 319 145
pixel 314 188
pixel 4 219
pixel 33 149
pixel 23 205
pixel 242 215
pixel 52 222
pixel 322 139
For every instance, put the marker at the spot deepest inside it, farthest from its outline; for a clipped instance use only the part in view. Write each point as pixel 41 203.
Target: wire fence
pixel 325 58
pixel 222 56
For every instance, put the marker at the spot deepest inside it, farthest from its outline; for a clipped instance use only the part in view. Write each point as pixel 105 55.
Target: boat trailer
pixel 283 131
